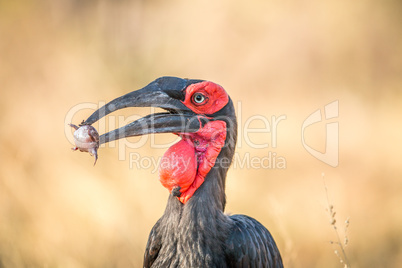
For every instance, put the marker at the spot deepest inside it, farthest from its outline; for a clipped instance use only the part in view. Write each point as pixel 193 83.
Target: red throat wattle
pixel 186 163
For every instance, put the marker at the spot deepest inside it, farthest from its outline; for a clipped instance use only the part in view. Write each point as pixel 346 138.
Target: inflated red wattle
pixel 187 163
pixel 178 166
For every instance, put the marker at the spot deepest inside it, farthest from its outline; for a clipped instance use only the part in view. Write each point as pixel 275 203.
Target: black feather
pixel 252 243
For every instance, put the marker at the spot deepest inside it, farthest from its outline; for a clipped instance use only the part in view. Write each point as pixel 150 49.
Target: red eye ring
pixel 199 98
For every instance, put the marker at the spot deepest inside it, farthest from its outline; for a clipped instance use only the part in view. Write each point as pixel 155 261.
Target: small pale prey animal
pixel 86 139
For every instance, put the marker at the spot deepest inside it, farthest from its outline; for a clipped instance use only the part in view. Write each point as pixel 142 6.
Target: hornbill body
pixel 194 231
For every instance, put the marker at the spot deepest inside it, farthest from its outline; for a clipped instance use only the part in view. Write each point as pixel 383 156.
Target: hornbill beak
pixel 164 92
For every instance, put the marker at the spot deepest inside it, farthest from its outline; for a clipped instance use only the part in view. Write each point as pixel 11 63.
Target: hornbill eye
pixel 199 98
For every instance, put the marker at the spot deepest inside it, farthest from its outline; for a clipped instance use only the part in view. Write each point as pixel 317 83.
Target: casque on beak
pixel 164 92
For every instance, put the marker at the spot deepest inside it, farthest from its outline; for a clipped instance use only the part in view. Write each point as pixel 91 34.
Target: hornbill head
pixel 200 112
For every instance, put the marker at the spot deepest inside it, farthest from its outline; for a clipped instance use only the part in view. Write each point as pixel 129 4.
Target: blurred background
pixel 60 59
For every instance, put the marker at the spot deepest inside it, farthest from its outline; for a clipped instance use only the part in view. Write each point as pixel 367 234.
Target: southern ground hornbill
pixel 194 231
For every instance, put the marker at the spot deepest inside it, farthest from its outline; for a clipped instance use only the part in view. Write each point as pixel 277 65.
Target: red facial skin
pixel 215 97
pixel 187 163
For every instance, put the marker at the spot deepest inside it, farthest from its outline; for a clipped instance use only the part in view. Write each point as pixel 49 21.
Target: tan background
pixel 274 57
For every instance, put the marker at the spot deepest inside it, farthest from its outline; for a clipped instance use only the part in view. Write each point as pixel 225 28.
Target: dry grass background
pixel 275 57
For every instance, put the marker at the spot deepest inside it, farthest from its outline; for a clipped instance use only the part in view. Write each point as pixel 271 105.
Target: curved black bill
pixel 166 93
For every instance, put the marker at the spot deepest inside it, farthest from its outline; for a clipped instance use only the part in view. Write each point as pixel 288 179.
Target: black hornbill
pixel 194 231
